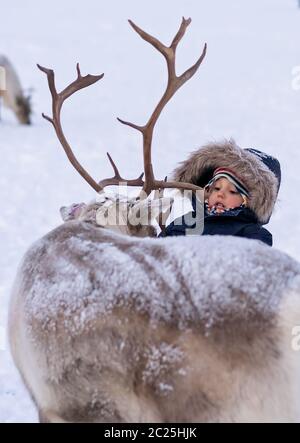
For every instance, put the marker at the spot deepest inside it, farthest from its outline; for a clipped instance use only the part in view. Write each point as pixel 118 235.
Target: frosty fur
pixel 109 328
pixel 259 180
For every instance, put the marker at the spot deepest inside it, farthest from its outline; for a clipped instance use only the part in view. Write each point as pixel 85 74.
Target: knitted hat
pixel 232 177
pixel 259 173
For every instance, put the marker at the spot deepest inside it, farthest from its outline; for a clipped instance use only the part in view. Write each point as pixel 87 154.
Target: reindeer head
pixel 122 214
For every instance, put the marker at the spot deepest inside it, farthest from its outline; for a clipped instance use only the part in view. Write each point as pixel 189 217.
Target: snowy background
pixel 247 88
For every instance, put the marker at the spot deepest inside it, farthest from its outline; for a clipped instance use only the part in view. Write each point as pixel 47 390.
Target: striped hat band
pixel 231 176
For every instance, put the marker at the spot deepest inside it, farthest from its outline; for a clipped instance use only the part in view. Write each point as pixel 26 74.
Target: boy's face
pixel 224 195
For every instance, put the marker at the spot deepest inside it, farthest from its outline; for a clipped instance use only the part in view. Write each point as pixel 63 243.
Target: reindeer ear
pixel 102 216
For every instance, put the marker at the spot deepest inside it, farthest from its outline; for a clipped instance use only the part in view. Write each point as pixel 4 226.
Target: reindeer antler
pixel 174 83
pixel 117 179
pixel 57 102
pixel 58 99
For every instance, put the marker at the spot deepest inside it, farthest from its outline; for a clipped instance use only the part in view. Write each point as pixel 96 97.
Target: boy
pixel 241 189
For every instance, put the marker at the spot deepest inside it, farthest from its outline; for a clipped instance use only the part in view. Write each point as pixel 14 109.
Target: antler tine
pixel 57 102
pixel 117 179
pixel 184 24
pixel 174 83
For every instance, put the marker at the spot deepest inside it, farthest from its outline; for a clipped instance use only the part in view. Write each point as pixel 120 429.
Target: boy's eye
pixel 216 188
pixel 233 192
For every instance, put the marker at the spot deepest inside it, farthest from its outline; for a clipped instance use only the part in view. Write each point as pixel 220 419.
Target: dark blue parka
pixel 260 174
pixel 240 222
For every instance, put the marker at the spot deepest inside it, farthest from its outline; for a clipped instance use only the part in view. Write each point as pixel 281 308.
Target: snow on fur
pixel 83 272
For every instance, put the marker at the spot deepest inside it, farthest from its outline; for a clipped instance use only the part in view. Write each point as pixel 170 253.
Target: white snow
pixel 246 88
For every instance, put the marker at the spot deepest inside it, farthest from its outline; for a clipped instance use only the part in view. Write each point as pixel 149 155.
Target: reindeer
pixel 13 95
pixel 108 327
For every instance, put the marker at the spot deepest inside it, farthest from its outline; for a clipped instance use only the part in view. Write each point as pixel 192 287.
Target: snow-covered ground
pixel 247 88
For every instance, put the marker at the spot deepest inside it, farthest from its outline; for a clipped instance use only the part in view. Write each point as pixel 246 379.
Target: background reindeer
pixel 13 96
pixel 105 327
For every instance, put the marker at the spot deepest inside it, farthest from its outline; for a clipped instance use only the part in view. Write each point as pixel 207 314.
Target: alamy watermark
pixel 2 322
pixel 296 78
pixel 2 79
pixel 117 212
pixel 296 338
pixel 2 338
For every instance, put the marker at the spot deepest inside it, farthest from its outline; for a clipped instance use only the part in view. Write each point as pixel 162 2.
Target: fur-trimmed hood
pixel 258 171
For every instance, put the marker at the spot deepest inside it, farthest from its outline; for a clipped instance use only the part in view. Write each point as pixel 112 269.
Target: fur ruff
pixel 258 178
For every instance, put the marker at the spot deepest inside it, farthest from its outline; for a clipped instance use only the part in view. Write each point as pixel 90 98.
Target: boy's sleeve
pixel 257 232
pixel 178 226
pixel 173 230
pixel 193 220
